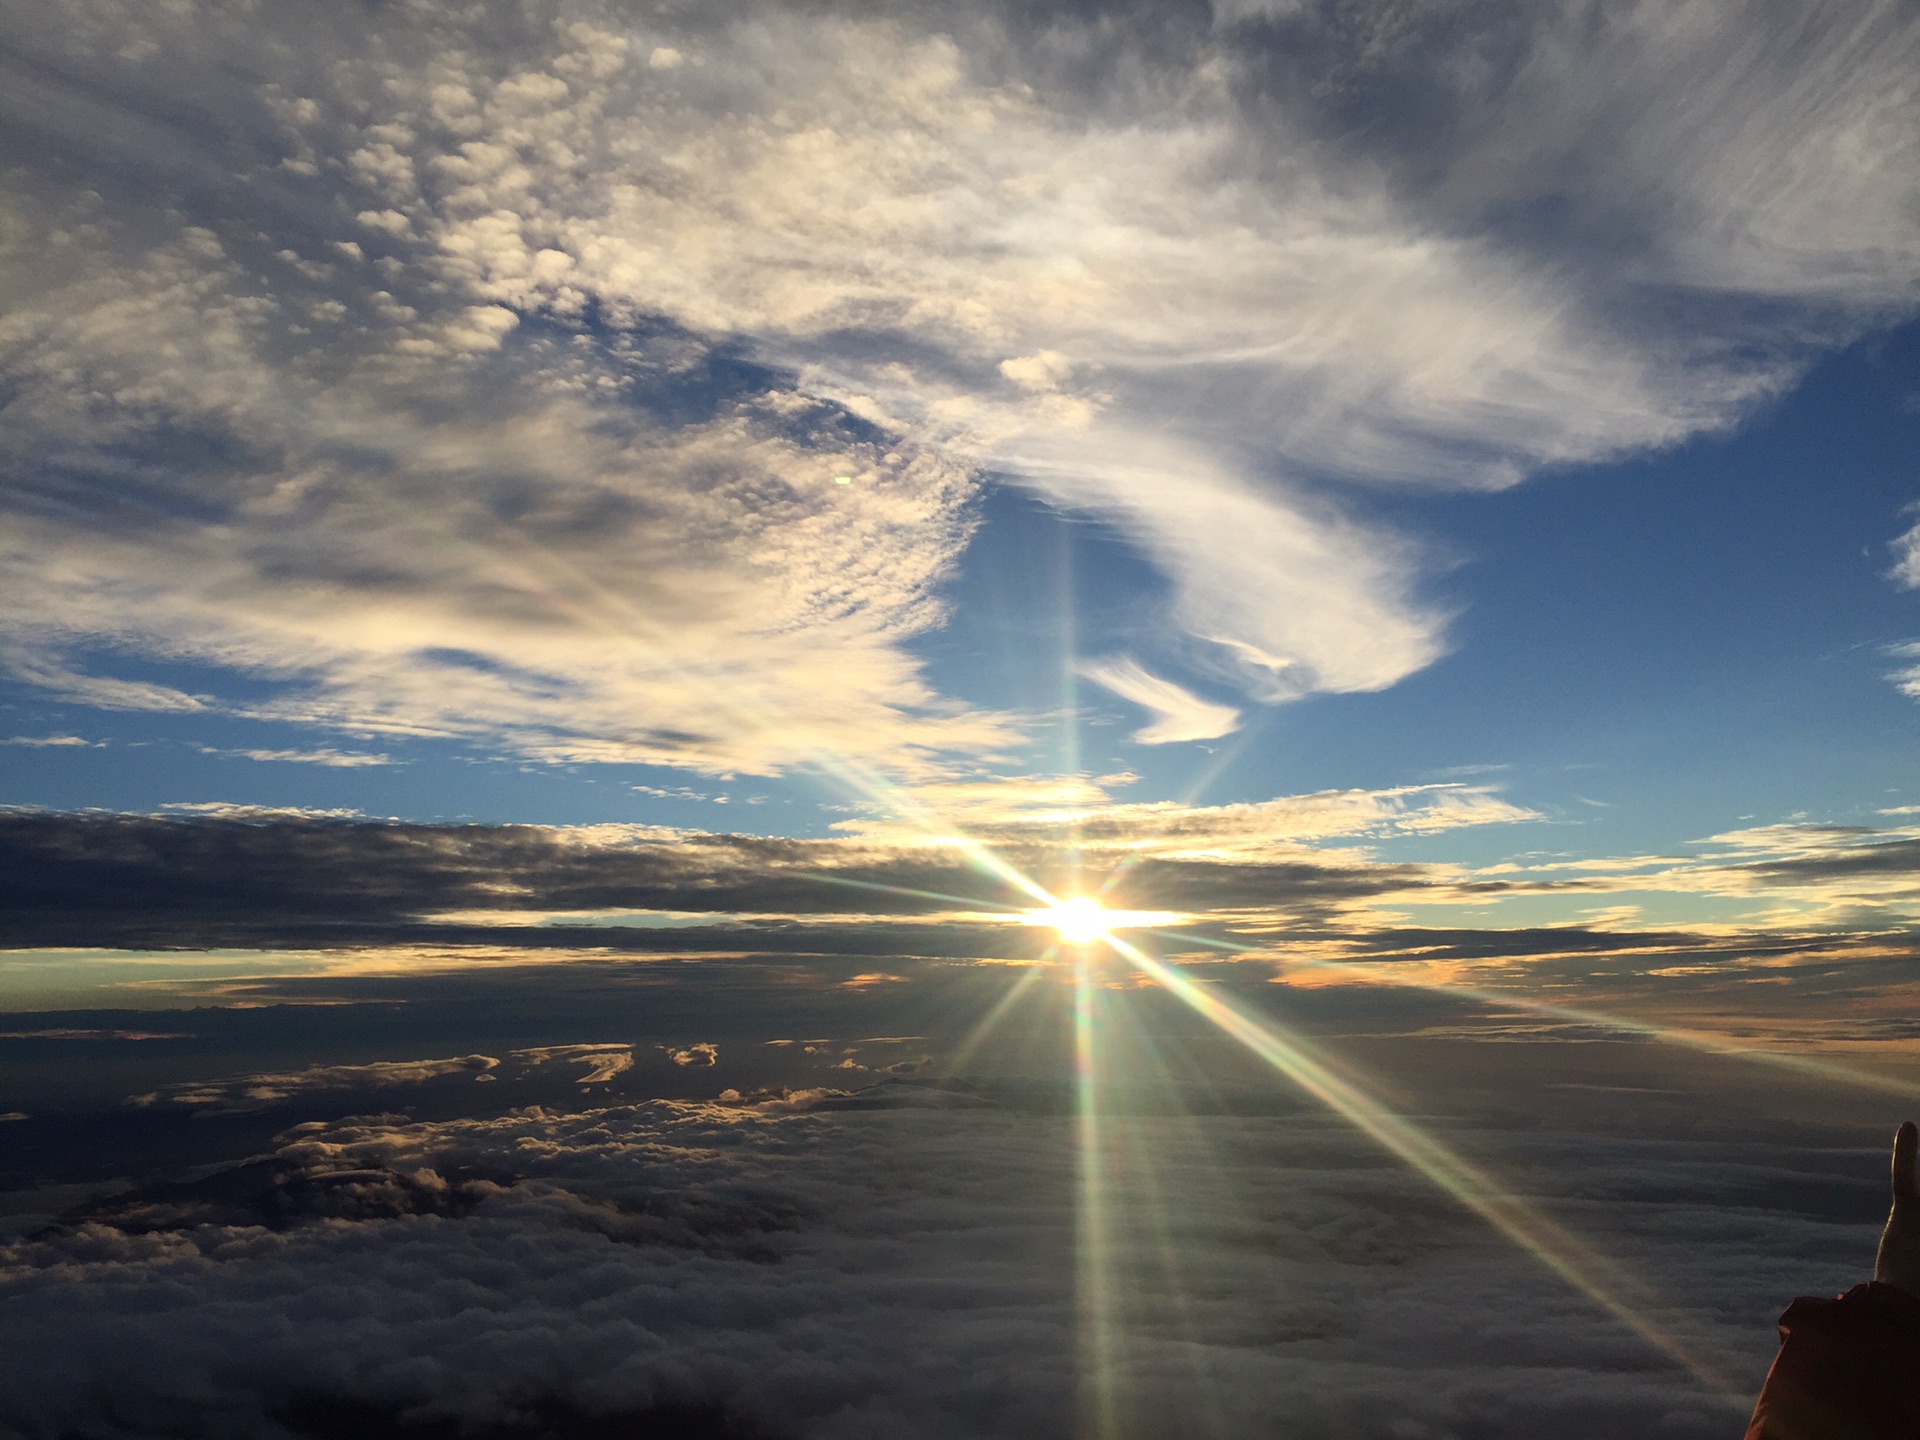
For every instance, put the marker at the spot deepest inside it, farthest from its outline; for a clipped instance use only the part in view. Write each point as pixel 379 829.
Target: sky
pixel 579 582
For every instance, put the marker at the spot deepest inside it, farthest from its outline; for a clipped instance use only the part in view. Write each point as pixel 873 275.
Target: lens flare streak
pixel 1567 1257
pixel 1574 1261
pixel 991 1021
pixel 1098 1319
pixel 1703 1041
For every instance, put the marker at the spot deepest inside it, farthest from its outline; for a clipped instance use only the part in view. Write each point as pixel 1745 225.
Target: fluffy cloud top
pixel 898 1262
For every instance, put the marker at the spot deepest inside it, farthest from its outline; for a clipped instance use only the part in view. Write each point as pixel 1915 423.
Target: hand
pixel 1899 1260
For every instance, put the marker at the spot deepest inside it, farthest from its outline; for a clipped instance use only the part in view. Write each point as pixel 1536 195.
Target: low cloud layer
pixel 261 1091
pixel 1285 873
pixel 134 879
pixel 1783 941
pixel 901 1262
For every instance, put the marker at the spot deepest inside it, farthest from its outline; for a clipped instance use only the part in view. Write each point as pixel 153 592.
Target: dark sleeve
pixel 1848 1369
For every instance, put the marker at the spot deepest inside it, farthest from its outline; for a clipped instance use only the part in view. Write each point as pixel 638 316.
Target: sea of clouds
pixel 911 1259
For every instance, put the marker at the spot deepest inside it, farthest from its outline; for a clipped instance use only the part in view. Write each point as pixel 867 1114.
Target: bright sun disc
pixel 1080 921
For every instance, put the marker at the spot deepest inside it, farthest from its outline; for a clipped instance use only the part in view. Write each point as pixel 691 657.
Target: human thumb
pixel 1906 1166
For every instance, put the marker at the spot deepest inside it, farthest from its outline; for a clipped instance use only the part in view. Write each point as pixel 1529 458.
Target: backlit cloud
pixel 257 1092
pixel 1301 866
pixel 1178 713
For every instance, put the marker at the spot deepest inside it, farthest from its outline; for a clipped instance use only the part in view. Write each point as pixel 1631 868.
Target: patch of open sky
pixel 1036 584
pixel 1638 653
pixel 1042 587
pixel 675 376
pixel 1642 650
pixel 679 377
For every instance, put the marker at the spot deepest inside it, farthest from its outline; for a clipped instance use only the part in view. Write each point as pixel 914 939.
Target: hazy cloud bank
pixel 813 1269
pixel 72 876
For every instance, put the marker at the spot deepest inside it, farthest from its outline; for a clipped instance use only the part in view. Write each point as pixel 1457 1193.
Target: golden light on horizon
pixel 1083 920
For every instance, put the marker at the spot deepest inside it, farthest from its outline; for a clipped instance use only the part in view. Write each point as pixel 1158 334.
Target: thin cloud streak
pixel 1179 714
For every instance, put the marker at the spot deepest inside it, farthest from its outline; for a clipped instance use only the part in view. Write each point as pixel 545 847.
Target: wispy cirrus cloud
pixel 1178 713
pixel 325 756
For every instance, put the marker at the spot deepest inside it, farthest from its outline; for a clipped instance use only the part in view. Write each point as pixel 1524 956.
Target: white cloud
pixel 1297 599
pixel 1906 564
pixel 232 810
pixel 257 1092
pixel 327 756
pixel 549 569
pixel 1192 303
pixel 1179 714
pixel 1907 678
pixel 1029 819
pixel 1044 371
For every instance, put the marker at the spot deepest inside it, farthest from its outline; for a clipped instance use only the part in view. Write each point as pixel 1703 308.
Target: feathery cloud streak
pixel 1178 713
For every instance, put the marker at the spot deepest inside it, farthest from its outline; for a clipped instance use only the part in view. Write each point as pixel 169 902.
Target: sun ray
pixel 987 1024
pixel 1146 1200
pixel 1094 1300
pixel 539 569
pixel 1573 1260
pixel 1566 1256
pixel 965 902
pixel 1704 1041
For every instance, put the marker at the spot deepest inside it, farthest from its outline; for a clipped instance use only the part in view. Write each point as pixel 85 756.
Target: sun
pixel 1080 920
pixel 1083 920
